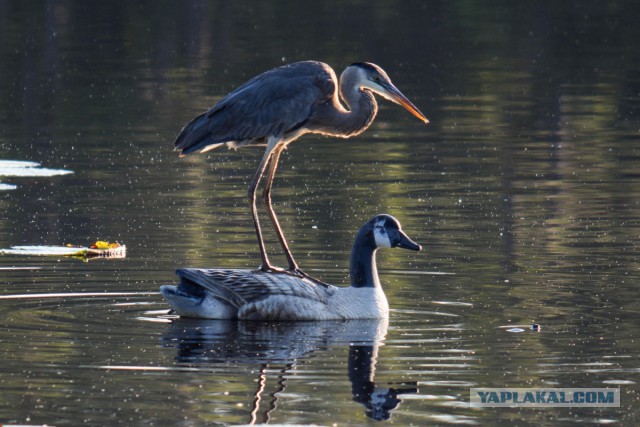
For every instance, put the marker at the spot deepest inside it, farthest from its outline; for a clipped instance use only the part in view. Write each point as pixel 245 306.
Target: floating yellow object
pixel 101 244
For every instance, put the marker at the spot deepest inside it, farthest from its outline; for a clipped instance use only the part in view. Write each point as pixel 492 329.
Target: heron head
pixel 373 78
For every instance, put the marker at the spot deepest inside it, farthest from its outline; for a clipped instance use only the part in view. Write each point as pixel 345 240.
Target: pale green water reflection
pixel 523 191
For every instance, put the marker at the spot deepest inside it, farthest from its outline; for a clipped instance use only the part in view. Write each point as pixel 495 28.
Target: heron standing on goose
pixel 277 107
pixel 255 295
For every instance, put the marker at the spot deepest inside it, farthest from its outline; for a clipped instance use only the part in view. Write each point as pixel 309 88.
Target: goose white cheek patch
pixel 381 236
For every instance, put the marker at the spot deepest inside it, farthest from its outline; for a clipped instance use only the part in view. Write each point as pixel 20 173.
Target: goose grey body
pixel 257 295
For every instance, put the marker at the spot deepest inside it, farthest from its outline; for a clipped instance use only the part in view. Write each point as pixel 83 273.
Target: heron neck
pixel 363 269
pixel 332 118
pixel 361 107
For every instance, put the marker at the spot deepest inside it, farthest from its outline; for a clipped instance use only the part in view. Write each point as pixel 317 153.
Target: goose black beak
pixel 405 242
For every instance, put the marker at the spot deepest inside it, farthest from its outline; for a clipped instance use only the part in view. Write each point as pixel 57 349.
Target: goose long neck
pixel 363 269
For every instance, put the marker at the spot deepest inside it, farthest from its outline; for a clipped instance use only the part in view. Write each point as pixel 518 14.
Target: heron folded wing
pixel 271 104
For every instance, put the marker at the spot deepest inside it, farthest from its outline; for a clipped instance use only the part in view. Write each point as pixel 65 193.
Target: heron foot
pixel 299 273
pixel 272 269
pixel 296 272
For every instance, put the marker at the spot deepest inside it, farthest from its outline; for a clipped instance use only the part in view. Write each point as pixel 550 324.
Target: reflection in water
pixel 19 168
pixel 28 169
pixel 7 186
pixel 379 402
pixel 218 341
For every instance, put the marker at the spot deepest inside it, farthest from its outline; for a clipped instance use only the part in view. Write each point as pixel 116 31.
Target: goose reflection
pixel 379 402
pixel 286 344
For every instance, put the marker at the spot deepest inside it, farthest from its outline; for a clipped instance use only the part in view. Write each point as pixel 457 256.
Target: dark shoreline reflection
pixel 264 344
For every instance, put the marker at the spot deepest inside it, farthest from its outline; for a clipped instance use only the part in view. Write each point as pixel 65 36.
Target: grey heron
pixel 280 105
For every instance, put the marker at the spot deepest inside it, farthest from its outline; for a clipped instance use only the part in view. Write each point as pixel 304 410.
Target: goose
pixel 258 295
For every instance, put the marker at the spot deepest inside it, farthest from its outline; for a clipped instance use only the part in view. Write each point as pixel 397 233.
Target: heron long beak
pixel 396 96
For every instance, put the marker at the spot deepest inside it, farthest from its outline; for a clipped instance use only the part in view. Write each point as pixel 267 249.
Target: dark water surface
pixel 523 191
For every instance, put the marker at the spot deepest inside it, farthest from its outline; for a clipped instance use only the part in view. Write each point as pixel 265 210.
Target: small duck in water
pixel 257 295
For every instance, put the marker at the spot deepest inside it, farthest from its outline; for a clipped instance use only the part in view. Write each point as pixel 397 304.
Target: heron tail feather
pixel 196 136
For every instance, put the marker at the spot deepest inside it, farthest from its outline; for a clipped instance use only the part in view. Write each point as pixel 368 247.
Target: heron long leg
pixel 266 197
pixel 266 265
pixel 271 157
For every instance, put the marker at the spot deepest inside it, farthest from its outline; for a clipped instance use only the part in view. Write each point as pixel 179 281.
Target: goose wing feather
pixel 241 287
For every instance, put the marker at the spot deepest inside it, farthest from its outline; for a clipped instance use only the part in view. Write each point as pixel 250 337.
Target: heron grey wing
pixel 239 287
pixel 271 104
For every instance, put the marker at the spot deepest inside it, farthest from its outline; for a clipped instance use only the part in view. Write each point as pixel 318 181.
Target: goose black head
pixel 387 233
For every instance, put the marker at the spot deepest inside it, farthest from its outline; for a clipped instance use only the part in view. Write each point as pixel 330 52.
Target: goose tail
pixel 198 296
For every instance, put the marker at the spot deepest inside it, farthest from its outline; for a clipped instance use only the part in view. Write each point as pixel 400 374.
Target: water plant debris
pixel 99 249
